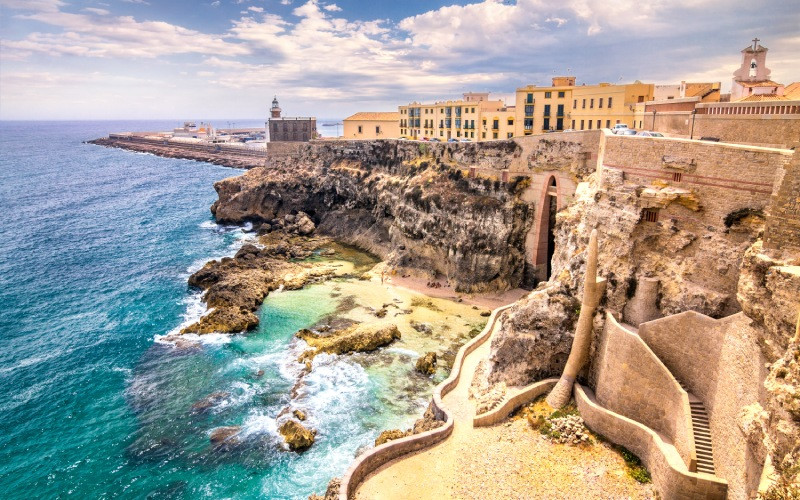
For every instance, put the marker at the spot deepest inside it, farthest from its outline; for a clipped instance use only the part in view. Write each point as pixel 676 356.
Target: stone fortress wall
pixel 721 363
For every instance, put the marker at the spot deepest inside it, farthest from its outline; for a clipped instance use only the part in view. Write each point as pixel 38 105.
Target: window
pixel 608 123
pixel 510 122
pixel 546 124
pixel 483 135
pixel 494 135
pixel 600 104
pixel 510 135
pixel 609 103
pixel 591 103
pixel 378 129
pixel 359 129
pixel 561 93
pixel 473 110
pixel 650 215
pixel 590 124
pixel 484 122
pixel 458 133
pixel 528 124
pixel 641 98
pixel 529 99
pixel 583 105
pixel 495 124
pixel 559 124
pixel 546 110
pixel 472 135
pixel 528 110
pixel 560 111
pixel 574 104
pixel 547 95
pixel 441 133
pixel 677 176
pixel 581 124
pixel 573 124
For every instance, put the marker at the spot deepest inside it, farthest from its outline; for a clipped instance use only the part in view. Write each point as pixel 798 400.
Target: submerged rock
pixel 299 414
pixel 210 401
pixel 225 436
pixel 358 338
pixel 426 364
pixel 297 437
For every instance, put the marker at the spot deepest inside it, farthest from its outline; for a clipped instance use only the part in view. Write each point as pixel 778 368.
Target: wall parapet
pixel 645 391
pixel 380 455
pixel 517 398
pixel 666 467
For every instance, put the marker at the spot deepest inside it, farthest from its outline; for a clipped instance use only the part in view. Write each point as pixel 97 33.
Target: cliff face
pixel 409 203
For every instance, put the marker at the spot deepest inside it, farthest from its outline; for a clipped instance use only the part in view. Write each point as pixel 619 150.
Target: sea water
pixel 96 245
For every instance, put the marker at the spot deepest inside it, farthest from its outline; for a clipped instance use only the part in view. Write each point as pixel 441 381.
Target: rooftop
pixel 375 116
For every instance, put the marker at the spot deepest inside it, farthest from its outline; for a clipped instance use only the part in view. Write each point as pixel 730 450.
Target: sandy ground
pixel 487 300
pixel 509 460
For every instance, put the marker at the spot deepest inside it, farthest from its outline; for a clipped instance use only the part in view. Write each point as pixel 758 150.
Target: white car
pixel 618 127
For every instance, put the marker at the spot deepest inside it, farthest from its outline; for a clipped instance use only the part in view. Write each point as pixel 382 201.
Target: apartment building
pixel 543 109
pixel 474 118
pixel 604 105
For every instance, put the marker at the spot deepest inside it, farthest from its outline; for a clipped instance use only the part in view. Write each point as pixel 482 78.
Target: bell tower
pixel 275 110
pixel 754 67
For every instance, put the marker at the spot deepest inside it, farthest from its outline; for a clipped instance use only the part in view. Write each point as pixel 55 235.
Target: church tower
pixel 275 110
pixel 752 77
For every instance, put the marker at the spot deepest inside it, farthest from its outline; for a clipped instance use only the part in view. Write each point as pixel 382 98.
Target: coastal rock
pixel 390 435
pixel 297 437
pixel 299 415
pixel 421 327
pixel 357 338
pixel 305 225
pixel 210 401
pixel 428 422
pixel 331 493
pixel 225 436
pixel 426 364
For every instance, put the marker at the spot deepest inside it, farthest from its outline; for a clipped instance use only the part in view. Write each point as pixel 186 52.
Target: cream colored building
pixel 372 125
pixel 542 109
pixel 605 105
pixel 472 118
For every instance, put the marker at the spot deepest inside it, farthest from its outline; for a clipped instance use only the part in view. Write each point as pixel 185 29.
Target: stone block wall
pixel 724 177
pixel 778 131
pixel 721 363
pixel 782 231
pixel 633 382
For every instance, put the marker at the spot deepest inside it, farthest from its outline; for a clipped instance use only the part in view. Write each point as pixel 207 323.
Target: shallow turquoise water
pixel 96 247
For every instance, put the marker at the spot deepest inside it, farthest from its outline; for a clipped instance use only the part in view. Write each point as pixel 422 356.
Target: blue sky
pixel 98 59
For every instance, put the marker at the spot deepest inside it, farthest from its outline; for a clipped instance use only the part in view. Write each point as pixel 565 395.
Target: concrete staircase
pixel 702 433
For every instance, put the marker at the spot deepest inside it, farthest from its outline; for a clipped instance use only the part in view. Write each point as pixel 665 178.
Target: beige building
pixel 472 118
pixel 542 109
pixel 372 125
pixel 565 106
pixel 605 105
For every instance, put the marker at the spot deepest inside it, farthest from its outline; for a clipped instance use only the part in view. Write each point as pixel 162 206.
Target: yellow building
pixel 604 105
pixel 565 106
pixel 542 109
pixel 473 118
pixel 367 125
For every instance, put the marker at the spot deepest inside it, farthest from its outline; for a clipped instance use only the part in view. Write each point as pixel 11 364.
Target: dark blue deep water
pixel 96 245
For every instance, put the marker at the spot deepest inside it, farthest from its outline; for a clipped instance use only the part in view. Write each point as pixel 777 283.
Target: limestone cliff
pixel 409 203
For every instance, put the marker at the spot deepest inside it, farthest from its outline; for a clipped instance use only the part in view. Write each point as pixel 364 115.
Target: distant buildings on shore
pixel 290 129
pixel 567 106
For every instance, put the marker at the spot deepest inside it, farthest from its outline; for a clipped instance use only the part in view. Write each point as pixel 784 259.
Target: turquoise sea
pixel 96 245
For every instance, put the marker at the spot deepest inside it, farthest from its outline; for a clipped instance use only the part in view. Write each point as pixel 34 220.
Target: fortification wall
pixel 633 382
pixel 667 469
pixel 782 230
pixel 724 177
pixel 721 363
pixel 777 131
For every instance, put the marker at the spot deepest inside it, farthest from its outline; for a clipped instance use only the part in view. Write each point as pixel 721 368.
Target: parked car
pixel 626 131
pixel 649 133
pixel 452 140
pixel 618 127
pixel 435 140
pixel 465 140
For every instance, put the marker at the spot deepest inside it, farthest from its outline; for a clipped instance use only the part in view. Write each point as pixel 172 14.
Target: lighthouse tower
pixel 275 110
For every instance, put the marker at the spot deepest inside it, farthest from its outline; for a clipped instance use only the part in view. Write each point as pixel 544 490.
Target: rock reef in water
pixel 297 437
pixel 225 436
pixel 235 287
pixel 357 338
pixel 426 364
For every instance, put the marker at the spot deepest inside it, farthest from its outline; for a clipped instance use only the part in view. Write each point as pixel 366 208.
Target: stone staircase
pixel 702 433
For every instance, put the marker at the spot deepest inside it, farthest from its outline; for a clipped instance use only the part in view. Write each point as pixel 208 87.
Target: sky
pixel 206 59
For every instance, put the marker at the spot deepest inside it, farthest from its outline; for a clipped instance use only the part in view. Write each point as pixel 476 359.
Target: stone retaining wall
pixel 632 381
pixel 518 398
pixel 380 455
pixel 720 362
pixel 669 473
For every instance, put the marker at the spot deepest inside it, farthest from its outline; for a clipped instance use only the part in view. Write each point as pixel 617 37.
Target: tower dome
pixel 275 110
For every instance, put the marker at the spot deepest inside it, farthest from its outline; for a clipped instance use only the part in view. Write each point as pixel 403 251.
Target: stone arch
pixel 549 193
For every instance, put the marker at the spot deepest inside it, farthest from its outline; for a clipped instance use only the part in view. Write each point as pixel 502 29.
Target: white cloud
pixel 95 10
pixel 255 9
pixel 142 2
pixel 332 8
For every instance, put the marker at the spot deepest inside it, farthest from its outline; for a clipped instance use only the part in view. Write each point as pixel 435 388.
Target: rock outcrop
pixel 297 437
pixel 411 204
pixel 428 422
pixel 426 364
pixel 357 338
pixel 236 286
